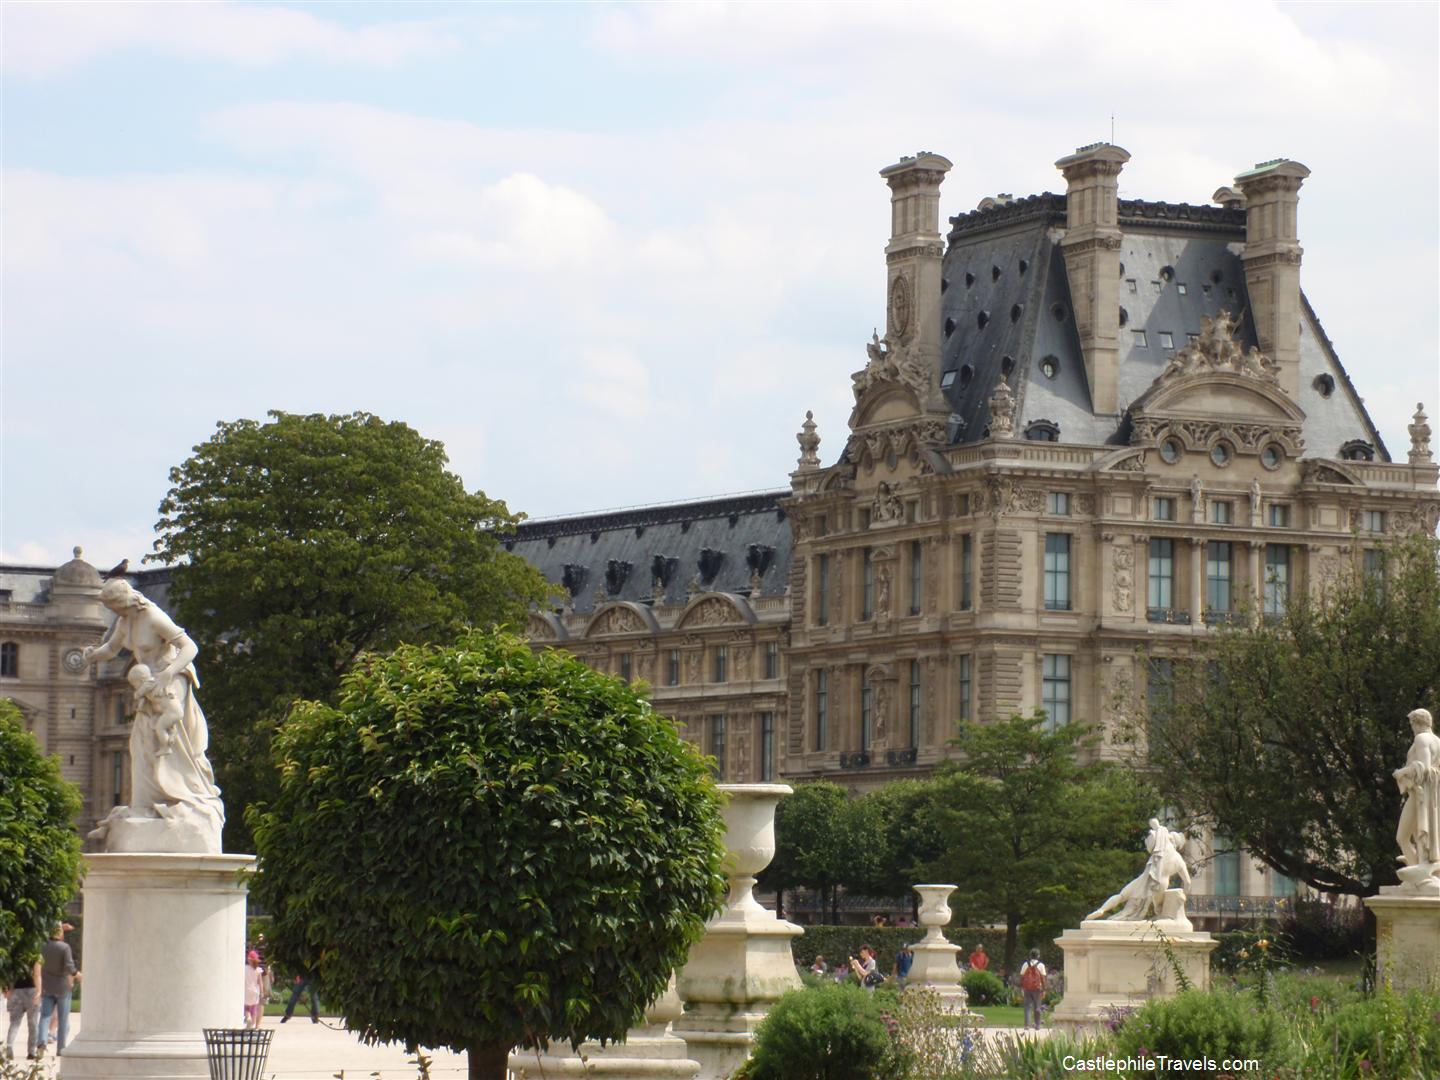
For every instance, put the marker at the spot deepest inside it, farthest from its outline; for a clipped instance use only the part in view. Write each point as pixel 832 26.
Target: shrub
pixel 1201 1024
pixel 984 988
pixel 1316 930
pixel 837 942
pixel 835 1032
pixel 1388 1037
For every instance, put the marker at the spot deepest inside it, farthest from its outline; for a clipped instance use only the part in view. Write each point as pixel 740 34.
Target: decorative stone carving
pixel 1420 438
pixel 901 306
pixel 1197 501
pixel 1419 831
pixel 1254 504
pixel 1216 350
pixel 1002 410
pixel 934 965
pixel 1123 560
pixel 1134 463
pixel 712 612
pixel 1085 504
pixel 886 507
pixel 174 803
pixel 537 629
pixel 882 589
pixel 893 363
pixel 742 664
pixel 809 443
pixel 1149 896
pixel 692 666
pixel 1025 500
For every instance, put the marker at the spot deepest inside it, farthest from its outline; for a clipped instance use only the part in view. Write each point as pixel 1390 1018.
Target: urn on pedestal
pixel 936 960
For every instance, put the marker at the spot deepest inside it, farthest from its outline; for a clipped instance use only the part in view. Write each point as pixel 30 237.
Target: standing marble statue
pixel 1150 895
pixel 174 803
pixel 1419 781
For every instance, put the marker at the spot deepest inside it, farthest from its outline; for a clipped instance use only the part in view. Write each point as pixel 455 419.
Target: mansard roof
pixel 722 541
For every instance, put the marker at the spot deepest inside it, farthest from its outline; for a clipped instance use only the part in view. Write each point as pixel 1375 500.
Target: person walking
pixel 903 960
pixel 302 984
pixel 1032 985
pixel 58 976
pixel 24 1005
pixel 254 990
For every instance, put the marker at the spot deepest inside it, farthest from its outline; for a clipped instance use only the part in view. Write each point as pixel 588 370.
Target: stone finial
pixel 809 443
pixel 78 551
pixel 1002 410
pixel 1228 197
pixel 1419 439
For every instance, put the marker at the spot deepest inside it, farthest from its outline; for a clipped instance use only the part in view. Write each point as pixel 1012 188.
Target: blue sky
pixel 610 254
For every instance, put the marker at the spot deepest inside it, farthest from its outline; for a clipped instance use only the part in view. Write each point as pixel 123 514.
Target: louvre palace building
pixel 1093 429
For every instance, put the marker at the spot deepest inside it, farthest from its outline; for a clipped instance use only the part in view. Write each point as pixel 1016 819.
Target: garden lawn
pixel 1001 1015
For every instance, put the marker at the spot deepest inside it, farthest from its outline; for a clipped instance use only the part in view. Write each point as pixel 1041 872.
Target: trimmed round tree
pixel 39 847
pixel 485 847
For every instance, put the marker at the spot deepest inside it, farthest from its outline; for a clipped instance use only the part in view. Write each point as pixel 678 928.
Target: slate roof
pixel 1006 308
pixel 720 539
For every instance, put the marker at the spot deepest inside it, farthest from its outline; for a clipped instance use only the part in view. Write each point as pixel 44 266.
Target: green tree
pixel 812 841
pixel 1030 834
pixel 891 840
pixel 483 847
pixel 1284 734
pixel 301 543
pixel 39 847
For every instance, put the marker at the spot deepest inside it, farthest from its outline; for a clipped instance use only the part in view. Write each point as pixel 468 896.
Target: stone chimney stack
pixel 1092 263
pixel 913 260
pixel 1272 261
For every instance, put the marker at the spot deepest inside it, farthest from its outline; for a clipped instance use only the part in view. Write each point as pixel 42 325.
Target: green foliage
pixel 1316 930
pixel 305 541
pixel 1030 834
pixel 485 847
pixel 1285 733
pixel 985 988
pixel 1388 1037
pixel 930 1045
pixel 834 942
pixel 1198 1024
pixel 890 840
pixel 39 848
pixel 812 838
pixel 834 1032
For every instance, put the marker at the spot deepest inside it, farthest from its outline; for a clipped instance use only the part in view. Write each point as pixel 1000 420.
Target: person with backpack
pixel 1032 984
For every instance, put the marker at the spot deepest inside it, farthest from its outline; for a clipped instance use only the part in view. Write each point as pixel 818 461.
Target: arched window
pixel 9 660
pixel 1043 431
pixel 1357 450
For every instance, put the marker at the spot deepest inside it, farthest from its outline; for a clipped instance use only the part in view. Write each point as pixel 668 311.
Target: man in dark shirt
pixel 57 981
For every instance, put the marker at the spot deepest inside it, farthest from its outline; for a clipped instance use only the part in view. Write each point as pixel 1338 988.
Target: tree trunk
pixel 835 905
pixel 488 1061
pixel 1012 925
pixel 780 902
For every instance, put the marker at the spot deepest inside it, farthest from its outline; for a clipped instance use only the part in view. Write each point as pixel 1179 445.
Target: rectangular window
pixel 1156 286
pixel 1055 695
pixel 720 668
pixel 117 777
pixel 772 660
pixel 1140 340
pixel 1057 571
pixel 1282 885
pixel 1058 503
pixel 10 660
pixel 1132 285
pixel 967 570
pixel 1375 521
pixel 1167 339
pixel 963 507
pixel 864 520
pixel 1226 866
pixel 1182 288
pixel 822 590
pixel 1222 512
pixel 767 746
pixel 1279 516
pixel 625 666
pixel 965 686
pixel 917 575
pixel 822 709
pixel 867 712
pixel 717 744
pixel 912 511
pixel 1277 578
pixel 672 668
pixel 1162 572
pixel 1374 564
pixel 1217 575
pixel 1163 509
pixel 867 584
pixel 914 703
pixel 120 713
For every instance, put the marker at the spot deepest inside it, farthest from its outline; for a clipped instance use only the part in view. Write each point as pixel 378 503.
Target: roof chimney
pixel 1092 262
pixel 1272 261
pixel 913 260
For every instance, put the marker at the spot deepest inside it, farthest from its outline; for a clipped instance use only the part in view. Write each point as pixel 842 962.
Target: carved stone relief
pixel 1123 565
pixel 713 612
pixel 618 620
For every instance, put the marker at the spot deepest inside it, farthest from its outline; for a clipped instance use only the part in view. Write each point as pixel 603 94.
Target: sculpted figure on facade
pixel 692 666
pixel 1197 501
pixel 174 803
pixel 1216 350
pixel 1149 895
pixel 887 506
pixel 1419 781
pixel 882 590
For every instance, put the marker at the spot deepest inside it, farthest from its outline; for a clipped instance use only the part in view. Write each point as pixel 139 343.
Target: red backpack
pixel 1031 977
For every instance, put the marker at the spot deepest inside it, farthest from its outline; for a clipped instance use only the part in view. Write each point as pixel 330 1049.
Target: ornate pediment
pixel 1217 351
pixel 891 363
pixel 876 444
pixel 717 609
pixel 621 618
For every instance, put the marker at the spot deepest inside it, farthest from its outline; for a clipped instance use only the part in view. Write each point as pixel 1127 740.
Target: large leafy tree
pixel 1284 732
pixel 1030 833
pixel 813 840
pixel 39 848
pixel 895 840
pixel 301 543
pixel 483 847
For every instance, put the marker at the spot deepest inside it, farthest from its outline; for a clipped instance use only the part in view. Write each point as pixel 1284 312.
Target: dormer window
pixel 1043 431
pixel 1357 450
pixel 1141 341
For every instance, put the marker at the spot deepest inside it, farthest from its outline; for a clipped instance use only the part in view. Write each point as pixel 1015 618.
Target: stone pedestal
pixel 1407 935
pixel 164 949
pixel 649 1052
pixel 935 963
pixel 1113 963
pixel 743 964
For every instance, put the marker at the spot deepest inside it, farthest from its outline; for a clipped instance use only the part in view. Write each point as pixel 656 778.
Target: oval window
pixel 1220 454
pixel 1049 367
pixel 1271 457
pixel 1170 451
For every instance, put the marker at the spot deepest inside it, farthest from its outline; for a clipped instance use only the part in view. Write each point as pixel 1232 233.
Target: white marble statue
pixel 174 803
pixel 1419 781
pixel 1149 895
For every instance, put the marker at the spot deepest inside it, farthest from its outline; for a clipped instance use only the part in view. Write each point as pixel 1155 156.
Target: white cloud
pixel 47 38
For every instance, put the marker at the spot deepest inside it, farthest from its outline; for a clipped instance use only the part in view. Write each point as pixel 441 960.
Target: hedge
pixel 835 943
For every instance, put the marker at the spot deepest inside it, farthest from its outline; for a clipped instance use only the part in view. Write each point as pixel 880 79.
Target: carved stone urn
pixel 935 963
pixel 743 964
